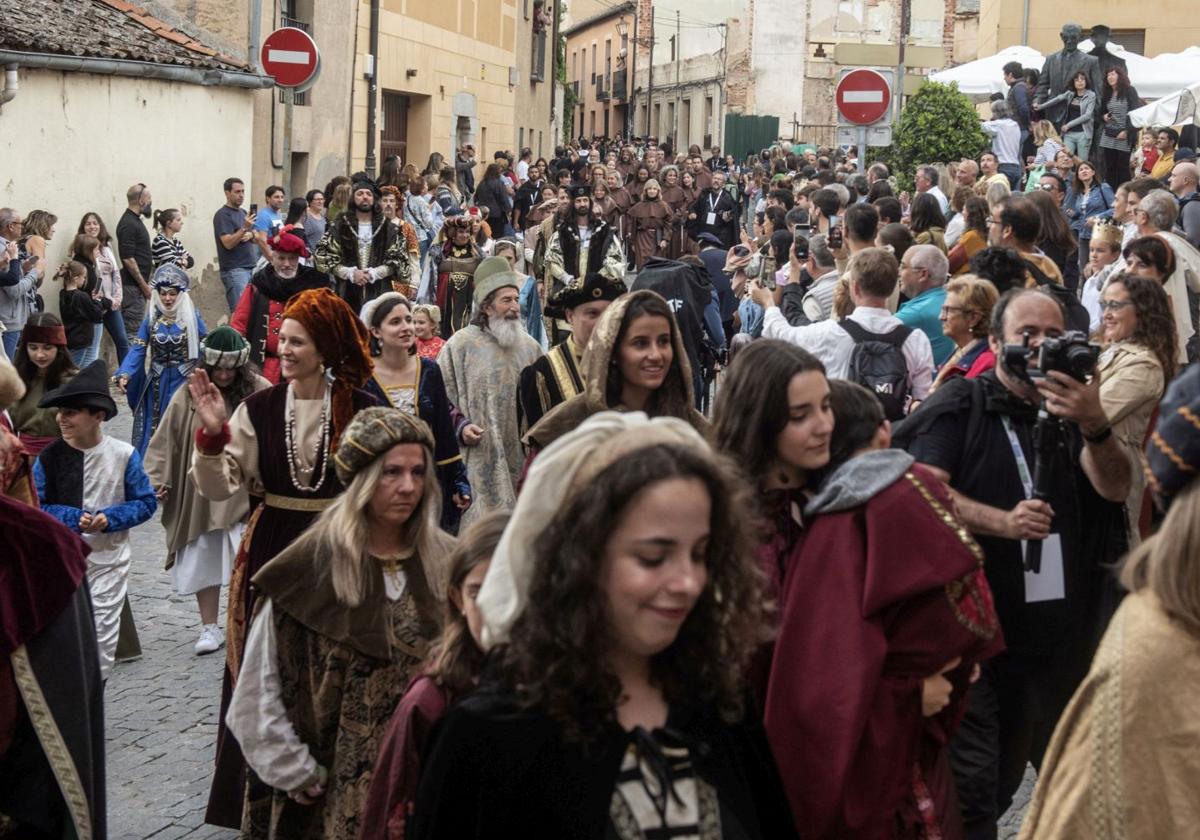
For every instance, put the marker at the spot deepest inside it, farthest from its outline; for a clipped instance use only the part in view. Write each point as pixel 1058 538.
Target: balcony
pixel 601 89
pixel 537 72
pixel 620 85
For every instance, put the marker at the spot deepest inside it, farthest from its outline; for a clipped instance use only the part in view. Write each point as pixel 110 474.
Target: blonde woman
pixel 965 316
pixel 349 609
pixel 1048 143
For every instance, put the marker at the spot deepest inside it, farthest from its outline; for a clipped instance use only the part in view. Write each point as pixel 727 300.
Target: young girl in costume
pixel 164 353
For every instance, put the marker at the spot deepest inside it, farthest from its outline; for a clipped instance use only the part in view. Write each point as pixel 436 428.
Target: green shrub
pixel 937 125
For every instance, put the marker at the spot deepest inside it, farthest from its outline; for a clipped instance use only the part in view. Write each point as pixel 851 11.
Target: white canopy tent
pixel 1153 77
pixel 981 78
pixel 1177 109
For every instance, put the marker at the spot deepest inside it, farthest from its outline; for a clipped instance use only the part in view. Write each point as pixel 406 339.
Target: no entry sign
pixel 289 56
pixel 863 97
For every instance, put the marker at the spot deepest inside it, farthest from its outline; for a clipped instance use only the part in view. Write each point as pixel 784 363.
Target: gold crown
pixel 1105 231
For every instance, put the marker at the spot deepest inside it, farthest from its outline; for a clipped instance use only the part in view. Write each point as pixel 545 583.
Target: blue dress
pixel 151 387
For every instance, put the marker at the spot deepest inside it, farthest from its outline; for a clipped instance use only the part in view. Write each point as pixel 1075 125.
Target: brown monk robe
pixel 635 187
pixel 650 224
pixel 604 207
pixel 676 199
pixel 687 184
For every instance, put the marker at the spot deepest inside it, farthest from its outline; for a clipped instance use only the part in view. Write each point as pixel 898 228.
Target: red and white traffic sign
pixel 863 96
pixel 290 57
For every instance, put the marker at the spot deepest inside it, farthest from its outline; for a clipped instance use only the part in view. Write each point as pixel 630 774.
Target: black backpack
pixel 1078 318
pixel 878 364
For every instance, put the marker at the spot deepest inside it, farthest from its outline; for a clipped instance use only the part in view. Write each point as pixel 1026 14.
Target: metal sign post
pixel 291 58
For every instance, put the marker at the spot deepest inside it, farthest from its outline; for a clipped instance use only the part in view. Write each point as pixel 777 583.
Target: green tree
pixel 560 73
pixel 938 124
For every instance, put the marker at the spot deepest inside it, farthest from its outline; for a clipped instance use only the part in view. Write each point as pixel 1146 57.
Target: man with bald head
pixel 1185 183
pixel 967 173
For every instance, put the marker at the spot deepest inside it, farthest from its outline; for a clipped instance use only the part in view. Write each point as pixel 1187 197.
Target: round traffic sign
pixel 863 96
pixel 289 56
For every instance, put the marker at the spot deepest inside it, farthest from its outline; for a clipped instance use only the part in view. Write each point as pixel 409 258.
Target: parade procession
pixel 708 420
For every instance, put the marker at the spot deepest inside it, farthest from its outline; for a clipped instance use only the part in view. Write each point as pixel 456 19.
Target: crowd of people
pixel 631 493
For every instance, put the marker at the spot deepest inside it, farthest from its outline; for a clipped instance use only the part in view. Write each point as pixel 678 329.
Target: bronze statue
pixel 1060 68
pixel 1107 60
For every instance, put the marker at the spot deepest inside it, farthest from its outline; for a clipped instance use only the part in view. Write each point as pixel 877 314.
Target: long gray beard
pixel 507 333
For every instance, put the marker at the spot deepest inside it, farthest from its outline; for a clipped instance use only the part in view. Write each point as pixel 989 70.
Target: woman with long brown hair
pixel 1141 348
pixel 974 238
pixel 1117 134
pixel 1056 239
pixel 621 607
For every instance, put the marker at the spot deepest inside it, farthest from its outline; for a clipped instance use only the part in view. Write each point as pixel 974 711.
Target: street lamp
pixel 622 27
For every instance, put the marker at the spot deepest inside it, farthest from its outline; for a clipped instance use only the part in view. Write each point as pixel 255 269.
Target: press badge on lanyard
pixel 1048 584
pixel 711 219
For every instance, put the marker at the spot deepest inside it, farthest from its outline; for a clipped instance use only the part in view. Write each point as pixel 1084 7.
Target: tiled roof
pixel 103 29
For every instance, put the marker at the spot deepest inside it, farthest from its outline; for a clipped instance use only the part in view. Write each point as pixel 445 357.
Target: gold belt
pixel 292 503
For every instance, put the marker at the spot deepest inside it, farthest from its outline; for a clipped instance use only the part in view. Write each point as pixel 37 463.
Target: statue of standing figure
pixel 1058 71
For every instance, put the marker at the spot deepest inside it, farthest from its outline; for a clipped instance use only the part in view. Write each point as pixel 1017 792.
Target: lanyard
pixel 1019 455
pixel 713 198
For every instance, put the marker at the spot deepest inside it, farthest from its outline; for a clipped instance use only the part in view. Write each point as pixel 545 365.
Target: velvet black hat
pixel 581 191
pixel 594 287
pixel 89 389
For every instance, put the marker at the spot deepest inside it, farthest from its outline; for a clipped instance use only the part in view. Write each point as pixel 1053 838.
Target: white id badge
pixel 1048 584
pixel 712 219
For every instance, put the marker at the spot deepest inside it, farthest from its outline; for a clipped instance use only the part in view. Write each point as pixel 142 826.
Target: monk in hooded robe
pixel 650 224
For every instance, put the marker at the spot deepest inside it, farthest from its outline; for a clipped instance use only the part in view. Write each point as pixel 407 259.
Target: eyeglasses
pixel 1114 305
pixel 962 310
pixel 1047 187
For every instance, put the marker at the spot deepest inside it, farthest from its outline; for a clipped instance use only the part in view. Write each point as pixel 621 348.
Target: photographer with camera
pixel 816 303
pixel 1016 478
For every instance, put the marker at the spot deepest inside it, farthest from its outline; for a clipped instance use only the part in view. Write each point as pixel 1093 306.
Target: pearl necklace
pixel 322 442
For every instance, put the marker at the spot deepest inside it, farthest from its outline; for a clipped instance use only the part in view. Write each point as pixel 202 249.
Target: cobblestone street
pixel 161 710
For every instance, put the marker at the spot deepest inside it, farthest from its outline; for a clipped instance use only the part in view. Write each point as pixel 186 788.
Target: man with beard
pixel 557 376
pixel 581 245
pixel 626 162
pixel 481 365
pixel 259 314
pixel 714 212
pixel 362 249
pixel 527 195
pixel 455 263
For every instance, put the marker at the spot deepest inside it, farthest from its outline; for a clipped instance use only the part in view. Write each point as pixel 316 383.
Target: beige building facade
pixel 100 129
pixel 448 73
pixel 597 55
pixel 1167 27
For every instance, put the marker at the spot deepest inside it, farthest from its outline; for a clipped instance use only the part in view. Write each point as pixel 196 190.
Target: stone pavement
pixel 161 710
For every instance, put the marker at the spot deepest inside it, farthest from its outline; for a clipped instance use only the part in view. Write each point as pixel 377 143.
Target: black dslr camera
pixel 1070 353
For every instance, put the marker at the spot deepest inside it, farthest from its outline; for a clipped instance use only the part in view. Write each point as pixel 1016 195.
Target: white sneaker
pixel 211 639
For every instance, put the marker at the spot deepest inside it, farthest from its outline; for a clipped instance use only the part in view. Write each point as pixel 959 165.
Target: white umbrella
pixel 985 76
pixel 1179 108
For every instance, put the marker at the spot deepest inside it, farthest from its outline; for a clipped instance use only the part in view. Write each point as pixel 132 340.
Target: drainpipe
pixel 1025 24
pixel 255 33
pixel 372 87
pixel 10 84
pixel 121 67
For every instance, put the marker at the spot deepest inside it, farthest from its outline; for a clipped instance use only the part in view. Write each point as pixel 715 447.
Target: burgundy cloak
pixel 398 766
pixel 876 597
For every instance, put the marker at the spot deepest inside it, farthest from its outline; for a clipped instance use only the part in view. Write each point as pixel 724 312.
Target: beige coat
pixel 185 513
pixel 1124 762
pixel 1131 384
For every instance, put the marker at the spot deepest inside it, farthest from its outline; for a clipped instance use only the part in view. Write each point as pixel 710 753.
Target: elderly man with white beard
pixel 481 365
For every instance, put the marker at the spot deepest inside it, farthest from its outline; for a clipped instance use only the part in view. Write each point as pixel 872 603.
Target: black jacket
pixel 498 771
pixel 493 195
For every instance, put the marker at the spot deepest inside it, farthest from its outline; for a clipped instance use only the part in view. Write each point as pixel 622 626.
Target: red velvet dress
pixel 865 616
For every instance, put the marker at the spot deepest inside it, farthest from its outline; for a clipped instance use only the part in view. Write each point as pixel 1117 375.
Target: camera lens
pixel 1081 361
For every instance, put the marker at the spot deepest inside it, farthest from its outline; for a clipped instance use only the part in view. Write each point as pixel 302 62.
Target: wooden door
pixel 394 138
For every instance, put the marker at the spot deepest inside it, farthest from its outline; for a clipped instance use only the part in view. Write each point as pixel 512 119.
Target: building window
pixel 574 74
pixel 1133 40
pixel 607 67
pixel 606 122
pixel 520 139
pixel 593 64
